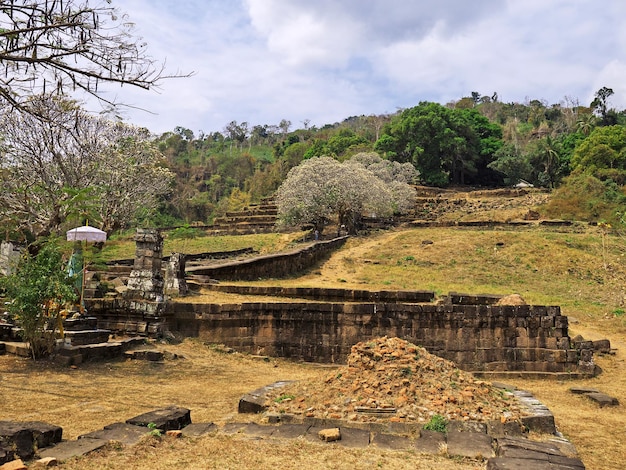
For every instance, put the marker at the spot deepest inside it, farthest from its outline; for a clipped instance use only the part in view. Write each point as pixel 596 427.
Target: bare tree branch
pixel 54 47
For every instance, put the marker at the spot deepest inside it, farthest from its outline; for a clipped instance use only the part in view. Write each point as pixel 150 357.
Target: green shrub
pixel 437 423
pixel 185 232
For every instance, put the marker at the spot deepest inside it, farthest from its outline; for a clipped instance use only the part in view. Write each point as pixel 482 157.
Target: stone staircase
pixel 256 218
pixel 82 341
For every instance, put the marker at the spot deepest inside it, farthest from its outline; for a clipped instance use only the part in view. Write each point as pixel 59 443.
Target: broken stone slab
pixel 353 437
pixel 233 428
pixel 330 435
pixel 127 434
pixel 583 390
pixel 602 346
pixel 255 401
pixel 602 399
pixel 514 447
pixel 172 417
pixel 68 449
pixel 257 430
pixel 291 431
pixel 507 463
pixel 391 441
pixel 475 445
pixel 430 442
pixel 145 355
pixel 199 429
pixel 17 464
pixel 24 437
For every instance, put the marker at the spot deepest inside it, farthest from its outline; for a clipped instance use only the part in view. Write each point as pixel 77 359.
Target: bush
pixel 437 423
pixel 37 293
pixel 585 197
pixel 185 232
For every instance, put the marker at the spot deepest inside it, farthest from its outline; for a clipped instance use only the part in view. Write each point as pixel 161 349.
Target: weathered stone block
pixel 172 417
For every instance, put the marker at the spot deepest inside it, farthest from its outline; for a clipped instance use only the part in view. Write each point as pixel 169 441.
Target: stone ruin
pixel 475 332
pixel 146 278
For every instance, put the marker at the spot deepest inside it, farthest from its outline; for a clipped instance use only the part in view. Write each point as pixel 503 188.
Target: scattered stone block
pixel 124 433
pixel 255 401
pixel 329 435
pixel 475 445
pixel 430 442
pixel 602 399
pixel 145 355
pixel 48 462
pixel 14 465
pixel 583 390
pixel 172 417
pixel 391 441
pixel 291 431
pixel 69 449
pixel 23 437
pixel 199 429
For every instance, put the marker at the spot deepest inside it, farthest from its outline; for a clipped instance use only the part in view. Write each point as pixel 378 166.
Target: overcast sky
pixel 262 61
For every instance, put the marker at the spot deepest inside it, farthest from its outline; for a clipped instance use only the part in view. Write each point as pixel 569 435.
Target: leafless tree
pixel 62 46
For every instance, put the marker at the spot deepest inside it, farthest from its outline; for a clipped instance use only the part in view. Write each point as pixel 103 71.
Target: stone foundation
pixel 482 338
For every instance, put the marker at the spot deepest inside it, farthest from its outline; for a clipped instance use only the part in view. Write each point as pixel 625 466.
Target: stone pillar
pixel 175 283
pixel 146 278
pixel 9 257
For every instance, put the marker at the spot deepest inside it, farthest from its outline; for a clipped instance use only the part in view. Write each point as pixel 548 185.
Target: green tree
pixel 600 105
pixel 604 148
pixel 445 145
pixel 37 292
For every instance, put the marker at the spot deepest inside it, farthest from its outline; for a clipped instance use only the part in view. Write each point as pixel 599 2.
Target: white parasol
pixel 86 234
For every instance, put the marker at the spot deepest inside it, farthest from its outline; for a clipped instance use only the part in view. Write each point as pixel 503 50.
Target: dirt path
pixel 340 266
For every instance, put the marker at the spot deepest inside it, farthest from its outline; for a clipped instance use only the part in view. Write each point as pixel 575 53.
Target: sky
pixel 321 61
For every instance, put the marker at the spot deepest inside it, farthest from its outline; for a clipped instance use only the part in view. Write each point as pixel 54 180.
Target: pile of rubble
pixel 392 379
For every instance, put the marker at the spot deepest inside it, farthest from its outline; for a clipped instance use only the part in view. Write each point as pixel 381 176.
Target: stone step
pixel 83 337
pixel 24 437
pixel 80 323
pixel 77 354
pixel 18 348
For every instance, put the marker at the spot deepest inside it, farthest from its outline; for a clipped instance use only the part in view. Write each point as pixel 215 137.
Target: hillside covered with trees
pixel 117 176
pixel 476 141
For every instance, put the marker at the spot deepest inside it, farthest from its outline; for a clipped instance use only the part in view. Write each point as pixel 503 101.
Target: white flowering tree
pixel 72 164
pixel 322 190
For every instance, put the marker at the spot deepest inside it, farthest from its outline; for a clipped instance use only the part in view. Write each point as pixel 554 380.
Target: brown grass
pixel 208 382
pixel 568 268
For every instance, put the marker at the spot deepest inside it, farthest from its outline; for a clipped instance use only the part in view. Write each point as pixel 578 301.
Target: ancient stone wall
pixel 271 266
pixel 485 338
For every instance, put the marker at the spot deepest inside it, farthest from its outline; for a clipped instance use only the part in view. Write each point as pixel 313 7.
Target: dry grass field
pixel 579 269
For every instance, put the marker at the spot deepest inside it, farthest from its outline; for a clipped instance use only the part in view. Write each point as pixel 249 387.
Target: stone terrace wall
pixel 329 294
pixel 477 337
pixel 271 266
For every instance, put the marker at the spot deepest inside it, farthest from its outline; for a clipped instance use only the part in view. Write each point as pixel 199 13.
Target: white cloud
pixel 261 61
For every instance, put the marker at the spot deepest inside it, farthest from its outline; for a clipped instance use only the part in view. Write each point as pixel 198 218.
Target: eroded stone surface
pixel 172 417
